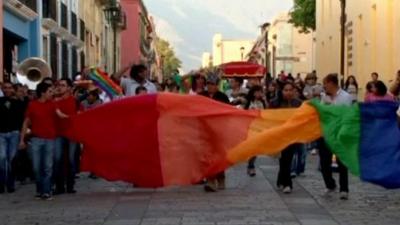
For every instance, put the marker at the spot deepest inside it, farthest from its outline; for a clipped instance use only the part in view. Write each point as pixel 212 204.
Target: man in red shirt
pixel 41 118
pixel 68 105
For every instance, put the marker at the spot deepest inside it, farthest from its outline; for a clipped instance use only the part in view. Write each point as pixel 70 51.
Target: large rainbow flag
pixel 167 139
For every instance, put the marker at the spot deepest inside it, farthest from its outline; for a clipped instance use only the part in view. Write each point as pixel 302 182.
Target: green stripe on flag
pixel 341 131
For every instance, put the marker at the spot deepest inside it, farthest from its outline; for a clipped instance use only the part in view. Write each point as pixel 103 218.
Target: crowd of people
pixel 33 124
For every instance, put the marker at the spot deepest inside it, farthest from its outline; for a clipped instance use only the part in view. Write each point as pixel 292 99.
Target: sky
pixel 189 25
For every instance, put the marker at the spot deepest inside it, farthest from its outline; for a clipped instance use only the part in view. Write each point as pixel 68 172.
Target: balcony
pixel 49 11
pixel 26 9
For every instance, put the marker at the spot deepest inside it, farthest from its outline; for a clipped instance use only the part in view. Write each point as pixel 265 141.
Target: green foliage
pixel 303 15
pixel 169 61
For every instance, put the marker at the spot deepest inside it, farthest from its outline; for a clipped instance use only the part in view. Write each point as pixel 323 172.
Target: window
pixel 64 16
pixel 45 42
pixel 53 55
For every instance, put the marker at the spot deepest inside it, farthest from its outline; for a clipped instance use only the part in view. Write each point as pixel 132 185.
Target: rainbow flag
pixel 167 139
pixel 104 82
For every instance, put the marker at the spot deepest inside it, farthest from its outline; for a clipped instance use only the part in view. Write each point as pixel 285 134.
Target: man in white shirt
pixel 137 78
pixel 333 95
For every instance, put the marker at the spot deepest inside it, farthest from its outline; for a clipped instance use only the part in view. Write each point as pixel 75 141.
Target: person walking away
pixel 333 95
pixel 255 101
pixel 218 181
pixel 41 118
pixel 287 100
pixel 379 93
pixel 65 149
pixel 11 117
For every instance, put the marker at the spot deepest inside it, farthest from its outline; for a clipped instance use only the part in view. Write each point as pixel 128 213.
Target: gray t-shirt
pixel 129 86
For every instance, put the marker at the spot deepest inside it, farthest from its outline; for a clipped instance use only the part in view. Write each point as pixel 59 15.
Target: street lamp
pixel 242 52
pixel 113 15
pixel 265 28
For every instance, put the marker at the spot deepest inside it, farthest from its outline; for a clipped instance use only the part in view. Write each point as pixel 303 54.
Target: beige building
pixel 372 38
pixel 99 36
pixel 206 60
pixel 288 49
pixel 225 51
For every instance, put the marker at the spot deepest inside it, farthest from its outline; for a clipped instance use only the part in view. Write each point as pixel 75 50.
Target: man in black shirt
pixel 217 181
pixel 11 118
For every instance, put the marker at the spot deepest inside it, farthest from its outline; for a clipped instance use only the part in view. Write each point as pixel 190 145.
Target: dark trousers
pixel 251 163
pixel 326 168
pixel 285 166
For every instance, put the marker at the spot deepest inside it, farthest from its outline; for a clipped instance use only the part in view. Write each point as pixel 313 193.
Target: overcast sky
pixel 189 25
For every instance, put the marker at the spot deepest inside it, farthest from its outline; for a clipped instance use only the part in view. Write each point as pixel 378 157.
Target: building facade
pixel 288 49
pixel 372 38
pixel 21 32
pixel 139 38
pixel 224 50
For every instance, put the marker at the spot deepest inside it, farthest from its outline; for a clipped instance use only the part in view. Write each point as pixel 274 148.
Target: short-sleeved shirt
pixel 68 106
pixel 341 98
pixel 129 86
pixel 43 119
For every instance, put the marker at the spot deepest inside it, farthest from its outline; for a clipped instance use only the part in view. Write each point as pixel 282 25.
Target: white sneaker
pixel 329 192
pixel 344 195
pixel 287 190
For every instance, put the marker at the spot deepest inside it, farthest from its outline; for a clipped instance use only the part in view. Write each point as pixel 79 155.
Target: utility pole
pixel 343 19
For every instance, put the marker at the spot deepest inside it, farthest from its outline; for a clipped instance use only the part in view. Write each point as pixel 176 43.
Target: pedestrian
pixel 218 181
pixel 92 100
pixel 237 92
pixel 312 89
pixel 255 101
pixel 368 87
pixel 333 95
pixel 137 77
pixel 140 91
pixel 395 87
pixel 11 118
pixel 41 116
pixel 199 84
pixel 272 92
pixel 287 99
pixel 379 93
pixel 65 149
pixel 351 87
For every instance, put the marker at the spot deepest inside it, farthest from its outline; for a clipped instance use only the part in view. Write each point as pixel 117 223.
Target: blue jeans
pixel 63 144
pixel 8 148
pixel 42 163
pixel 299 160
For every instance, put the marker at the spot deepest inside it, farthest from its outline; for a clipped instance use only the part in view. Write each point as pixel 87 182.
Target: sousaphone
pixel 32 71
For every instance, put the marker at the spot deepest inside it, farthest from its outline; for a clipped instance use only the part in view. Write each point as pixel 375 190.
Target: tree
pixel 170 63
pixel 303 15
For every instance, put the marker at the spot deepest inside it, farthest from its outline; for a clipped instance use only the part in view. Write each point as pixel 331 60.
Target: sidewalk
pixel 246 201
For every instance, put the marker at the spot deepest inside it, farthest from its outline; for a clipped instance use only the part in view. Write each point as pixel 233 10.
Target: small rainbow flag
pixel 104 82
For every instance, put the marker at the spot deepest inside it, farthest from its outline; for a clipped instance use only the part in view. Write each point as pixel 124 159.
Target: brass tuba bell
pixel 32 71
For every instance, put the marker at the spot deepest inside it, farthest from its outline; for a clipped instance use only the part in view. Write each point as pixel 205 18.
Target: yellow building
pixel 225 51
pixel 99 38
pixel 372 38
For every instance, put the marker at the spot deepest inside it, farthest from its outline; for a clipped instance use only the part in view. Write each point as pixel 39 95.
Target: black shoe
pixel 92 176
pixel 58 191
pixel 71 191
pixel 38 196
pixel 10 190
pixel 2 189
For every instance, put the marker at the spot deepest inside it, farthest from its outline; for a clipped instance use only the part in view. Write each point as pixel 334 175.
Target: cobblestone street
pixel 246 201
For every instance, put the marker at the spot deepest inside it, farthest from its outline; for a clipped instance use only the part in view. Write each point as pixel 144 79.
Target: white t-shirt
pixel 341 98
pixel 129 86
